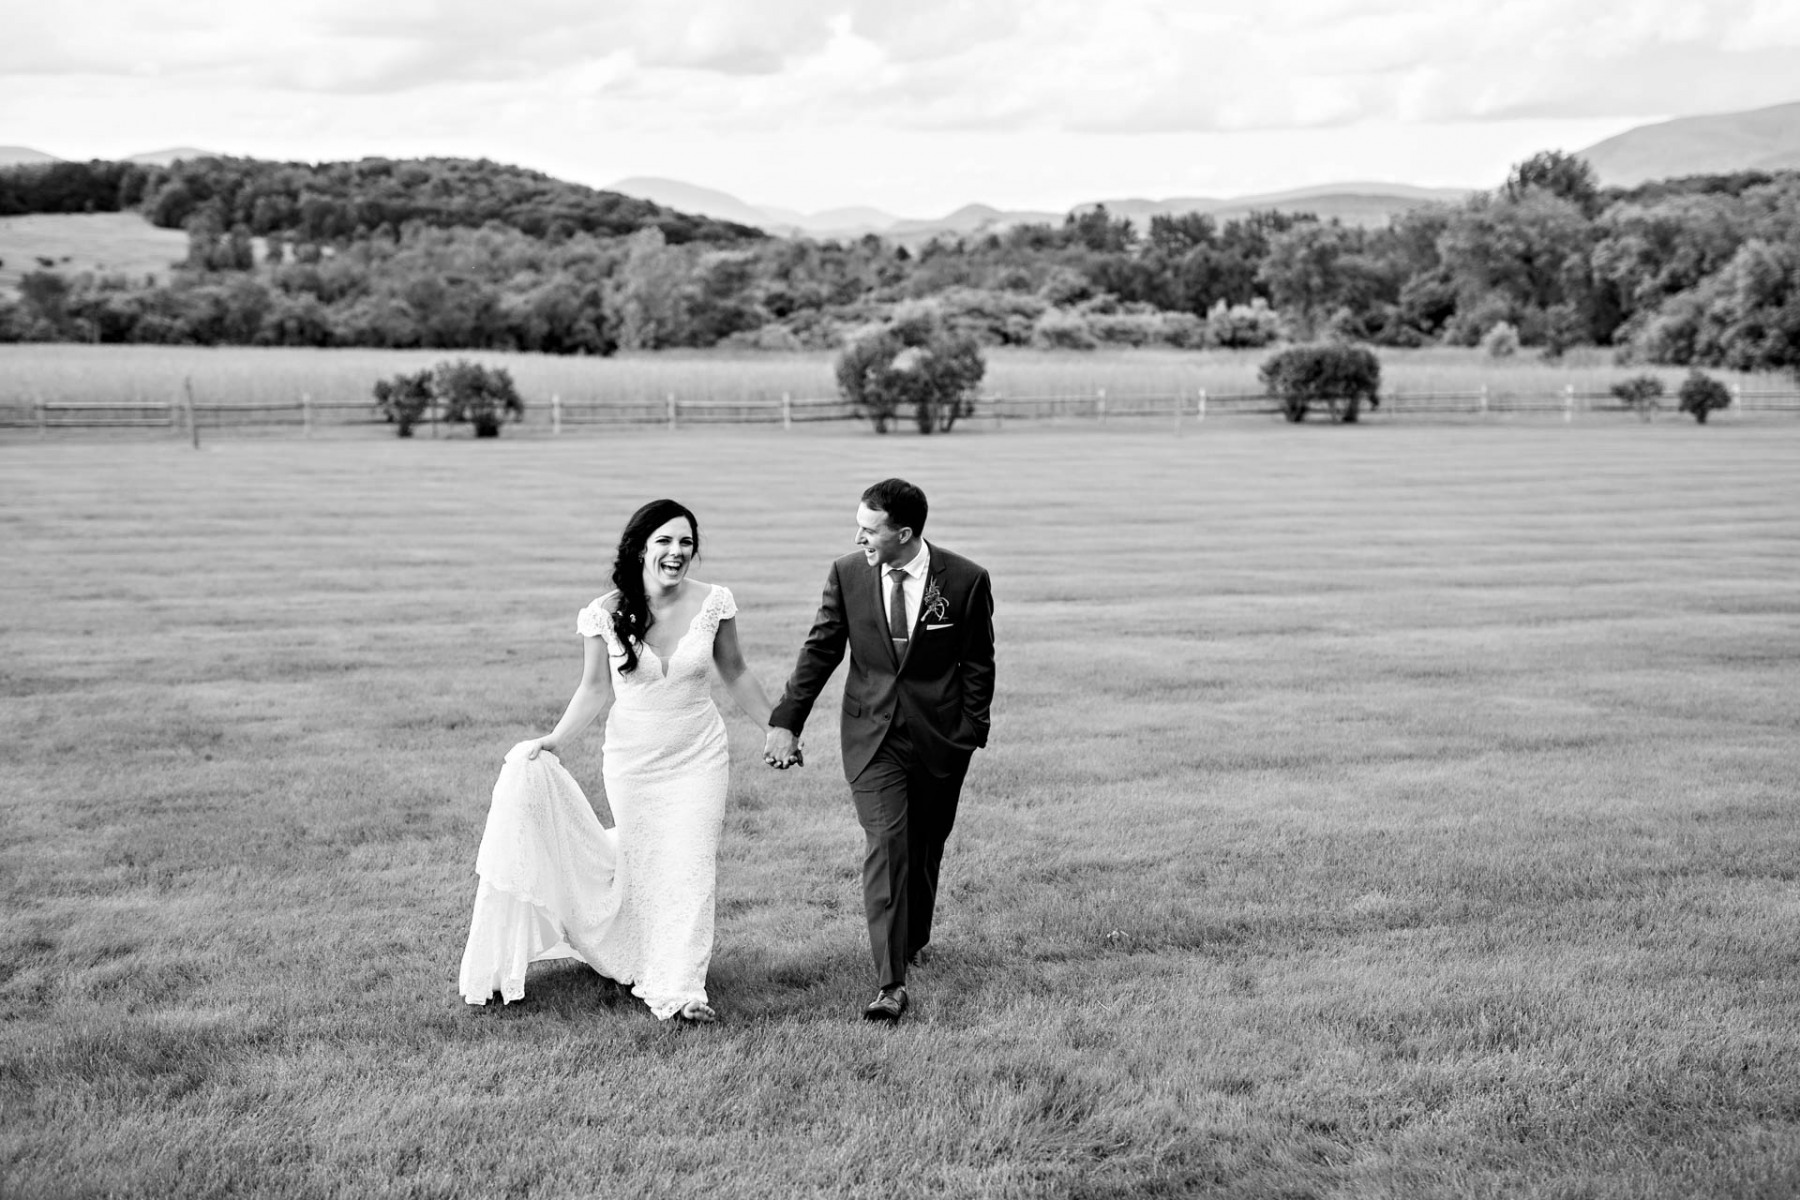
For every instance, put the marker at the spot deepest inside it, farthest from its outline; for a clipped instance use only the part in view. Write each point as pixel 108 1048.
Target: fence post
pixel 43 417
pixel 1568 403
pixel 1100 405
pixel 1180 409
pixel 1202 415
pixel 1737 401
pixel 1484 408
pixel 192 416
pixel 556 414
pixel 305 414
pixel 787 410
pixel 671 410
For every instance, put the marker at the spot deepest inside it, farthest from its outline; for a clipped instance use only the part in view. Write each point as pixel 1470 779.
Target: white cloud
pixel 771 97
pixel 1140 65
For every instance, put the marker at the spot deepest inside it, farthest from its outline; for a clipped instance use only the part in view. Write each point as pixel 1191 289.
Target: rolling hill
pixel 21 156
pixel 122 243
pixel 1762 139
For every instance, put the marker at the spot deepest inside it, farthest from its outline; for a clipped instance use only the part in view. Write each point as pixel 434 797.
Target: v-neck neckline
pixel 676 649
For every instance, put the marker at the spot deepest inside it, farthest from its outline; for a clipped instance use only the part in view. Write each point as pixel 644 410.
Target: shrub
pixel 404 399
pixel 482 396
pixel 1338 376
pixel 916 361
pixel 1059 329
pixel 1249 325
pixel 1501 341
pixel 1700 394
pixel 468 391
pixel 1639 394
pixel 993 318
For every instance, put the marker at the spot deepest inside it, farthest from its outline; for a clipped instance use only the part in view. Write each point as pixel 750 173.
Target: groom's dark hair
pixel 903 503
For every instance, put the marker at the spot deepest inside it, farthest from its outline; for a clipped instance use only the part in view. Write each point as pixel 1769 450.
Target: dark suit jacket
pixel 942 689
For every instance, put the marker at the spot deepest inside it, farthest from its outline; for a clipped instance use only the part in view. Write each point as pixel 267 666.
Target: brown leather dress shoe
pixel 887 1006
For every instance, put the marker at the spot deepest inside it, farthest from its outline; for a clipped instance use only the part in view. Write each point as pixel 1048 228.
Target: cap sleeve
pixel 596 621
pixel 724 603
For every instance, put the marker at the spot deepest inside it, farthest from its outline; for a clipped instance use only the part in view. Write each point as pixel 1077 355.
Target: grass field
pixel 105 243
pixel 1370 813
pixel 250 375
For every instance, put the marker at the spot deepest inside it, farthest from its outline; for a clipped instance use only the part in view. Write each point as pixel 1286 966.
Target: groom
pixel 918 621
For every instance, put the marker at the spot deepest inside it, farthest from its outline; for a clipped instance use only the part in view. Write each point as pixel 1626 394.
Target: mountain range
pixel 1765 139
pixel 1352 203
pixel 1762 139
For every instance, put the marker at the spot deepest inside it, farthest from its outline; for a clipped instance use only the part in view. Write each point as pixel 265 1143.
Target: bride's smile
pixel 668 554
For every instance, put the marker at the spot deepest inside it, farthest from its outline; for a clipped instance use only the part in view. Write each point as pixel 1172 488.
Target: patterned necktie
pixel 897 613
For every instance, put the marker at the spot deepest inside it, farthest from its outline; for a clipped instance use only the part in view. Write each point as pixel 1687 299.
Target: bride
pixel 634 902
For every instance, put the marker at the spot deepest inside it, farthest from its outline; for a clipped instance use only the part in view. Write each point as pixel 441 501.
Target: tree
pixel 914 361
pixel 1338 376
pixel 1745 316
pixel 1639 393
pixel 482 396
pixel 1700 394
pixel 1315 269
pixel 651 293
pixel 1559 174
pixel 1236 326
pixel 404 399
pixel 1517 260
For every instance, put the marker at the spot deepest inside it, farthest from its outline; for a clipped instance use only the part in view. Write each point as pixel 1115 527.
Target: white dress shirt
pixel 914 581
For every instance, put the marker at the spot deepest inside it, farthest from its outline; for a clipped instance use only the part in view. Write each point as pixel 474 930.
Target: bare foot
pixel 699 1012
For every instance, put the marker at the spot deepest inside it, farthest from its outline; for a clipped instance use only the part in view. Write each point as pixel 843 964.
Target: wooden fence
pixel 306 416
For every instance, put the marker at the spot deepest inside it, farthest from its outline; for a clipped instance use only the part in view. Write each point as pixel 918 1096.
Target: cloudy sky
pixel 916 106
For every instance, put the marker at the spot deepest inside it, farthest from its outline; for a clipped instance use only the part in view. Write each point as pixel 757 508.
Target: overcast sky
pixel 915 106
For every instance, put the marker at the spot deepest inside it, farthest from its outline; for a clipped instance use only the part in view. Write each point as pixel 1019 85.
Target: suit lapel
pixel 934 578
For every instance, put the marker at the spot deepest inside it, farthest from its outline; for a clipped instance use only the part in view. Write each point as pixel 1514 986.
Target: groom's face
pixel 881 543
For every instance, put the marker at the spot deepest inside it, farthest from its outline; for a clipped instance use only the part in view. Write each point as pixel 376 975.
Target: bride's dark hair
pixel 632 621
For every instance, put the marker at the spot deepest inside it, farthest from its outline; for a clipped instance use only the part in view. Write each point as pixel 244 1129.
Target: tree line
pixel 461 254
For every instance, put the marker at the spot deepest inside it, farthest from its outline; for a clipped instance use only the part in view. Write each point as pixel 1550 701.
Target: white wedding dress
pixel 634 902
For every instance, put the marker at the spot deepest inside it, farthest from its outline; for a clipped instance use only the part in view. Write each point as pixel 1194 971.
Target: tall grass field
pixel 1371 812
pixel 118 243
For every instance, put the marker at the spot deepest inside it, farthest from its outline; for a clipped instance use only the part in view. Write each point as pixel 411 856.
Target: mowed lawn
pixel 1371 812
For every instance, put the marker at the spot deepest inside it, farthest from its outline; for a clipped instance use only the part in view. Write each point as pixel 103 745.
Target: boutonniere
pixel 934 605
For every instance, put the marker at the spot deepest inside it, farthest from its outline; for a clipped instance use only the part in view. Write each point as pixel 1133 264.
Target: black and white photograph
pixel 866 601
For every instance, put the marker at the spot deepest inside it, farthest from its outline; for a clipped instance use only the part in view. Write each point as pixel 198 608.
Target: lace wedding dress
pixel 634 902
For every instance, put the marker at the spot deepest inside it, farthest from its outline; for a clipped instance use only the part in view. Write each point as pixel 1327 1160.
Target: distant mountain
pixel 974 218
pixel 1365 204
pixel 1762 139
pixel 1368 204
pixel 162 158
pixel 19 156
pixel 688 197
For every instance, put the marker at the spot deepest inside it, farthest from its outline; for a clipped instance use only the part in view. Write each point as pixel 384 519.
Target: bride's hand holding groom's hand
pixel 781 749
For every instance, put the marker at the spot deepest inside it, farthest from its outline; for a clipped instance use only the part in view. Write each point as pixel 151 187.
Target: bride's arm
pixel 592 695
pixel 745 688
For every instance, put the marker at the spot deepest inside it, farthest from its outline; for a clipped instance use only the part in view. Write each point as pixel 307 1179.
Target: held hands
pixel 781 749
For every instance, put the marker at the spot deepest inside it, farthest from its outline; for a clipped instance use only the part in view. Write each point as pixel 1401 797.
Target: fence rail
pixel 996 410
